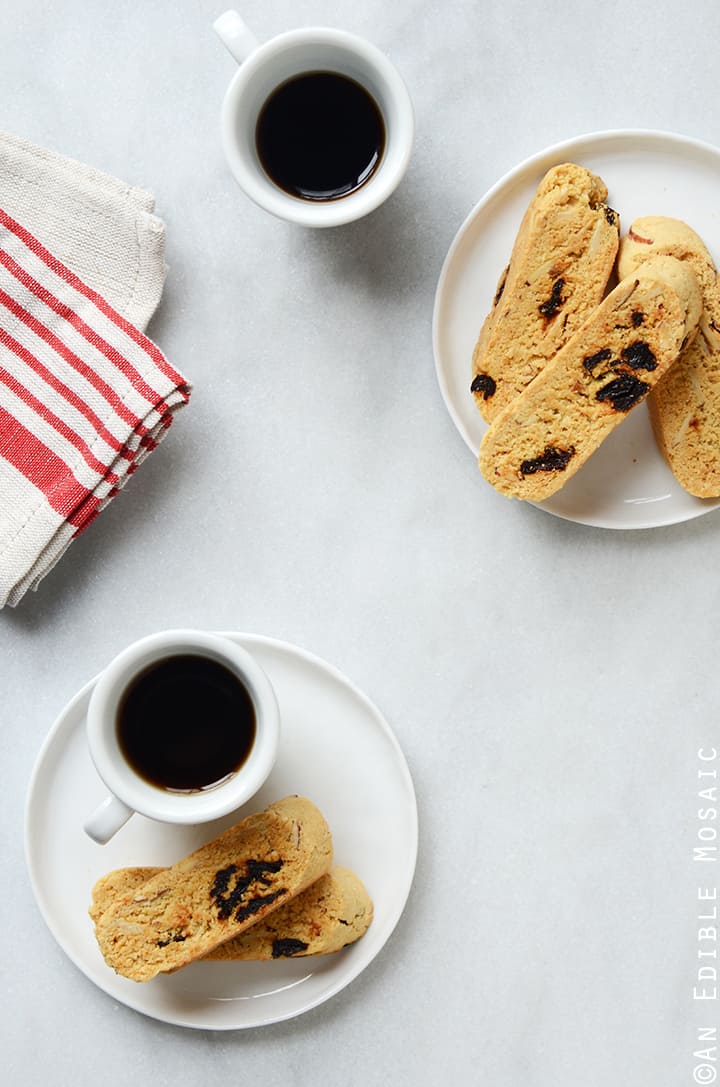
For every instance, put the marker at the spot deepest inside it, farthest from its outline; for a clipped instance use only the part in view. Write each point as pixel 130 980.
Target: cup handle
pixel 107 819
pixel 237 38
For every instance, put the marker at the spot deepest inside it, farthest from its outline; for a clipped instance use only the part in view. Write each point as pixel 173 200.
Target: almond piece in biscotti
pixel 558 272
pixel 609 366
pixel 685 404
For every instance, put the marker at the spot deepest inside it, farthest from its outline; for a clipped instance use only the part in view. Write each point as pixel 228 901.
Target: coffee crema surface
pixel 186 723
pixel 320 136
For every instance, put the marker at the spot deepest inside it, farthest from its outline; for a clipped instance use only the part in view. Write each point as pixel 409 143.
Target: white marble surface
pixel 550 684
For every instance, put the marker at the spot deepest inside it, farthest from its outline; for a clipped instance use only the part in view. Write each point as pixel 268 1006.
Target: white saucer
pixel 336 748
pixel 626 484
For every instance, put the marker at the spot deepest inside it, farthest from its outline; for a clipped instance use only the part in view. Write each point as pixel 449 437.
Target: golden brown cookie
pixel 608 367
pixel 685 404
pixel 560 265
pixel 186 911
pixel 333 912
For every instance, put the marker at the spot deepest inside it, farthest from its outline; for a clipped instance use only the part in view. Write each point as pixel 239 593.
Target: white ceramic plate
pixel 336 748
pixel 626 484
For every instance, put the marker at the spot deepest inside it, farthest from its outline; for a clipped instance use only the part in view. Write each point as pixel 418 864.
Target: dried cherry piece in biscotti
pixel 623 392
pixel 284 949
pixel 591 361
pixel 175 937
pixel 484 385
pixel 638 356
pixel 555 301
pixel 551 459
pixel 235 892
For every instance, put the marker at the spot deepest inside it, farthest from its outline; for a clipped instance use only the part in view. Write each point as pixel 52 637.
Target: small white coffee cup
pixel 264 68
pixel 129 791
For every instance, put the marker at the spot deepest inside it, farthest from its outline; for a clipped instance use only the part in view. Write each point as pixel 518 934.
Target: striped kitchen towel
pixel 85 396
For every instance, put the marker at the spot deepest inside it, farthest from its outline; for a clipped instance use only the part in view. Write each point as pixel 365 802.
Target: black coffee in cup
pixel 320 136
pixel 186 723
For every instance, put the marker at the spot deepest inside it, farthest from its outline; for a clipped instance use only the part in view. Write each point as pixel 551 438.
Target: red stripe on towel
pixel 43 468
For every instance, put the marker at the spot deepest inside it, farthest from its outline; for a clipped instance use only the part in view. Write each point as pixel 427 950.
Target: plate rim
pixel 535 161
pixel 64 719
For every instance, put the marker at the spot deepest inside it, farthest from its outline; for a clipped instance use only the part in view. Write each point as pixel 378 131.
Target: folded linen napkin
pixel 100 227
pixel 85 396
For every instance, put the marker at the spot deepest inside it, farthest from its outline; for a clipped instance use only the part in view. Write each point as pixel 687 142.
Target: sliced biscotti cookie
pixel 608 367
pixel 333 912
pixel 217 892
pixel 685 404
pixel 559 268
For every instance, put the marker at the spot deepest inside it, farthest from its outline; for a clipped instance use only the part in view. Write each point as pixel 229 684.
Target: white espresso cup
pixel 267 67
pixel 130 709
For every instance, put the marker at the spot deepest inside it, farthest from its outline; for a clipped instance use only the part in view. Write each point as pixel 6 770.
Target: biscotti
pixel 685 404
pixel 559 269
pixel 189 909
pixel 608 367
pixel 333 912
